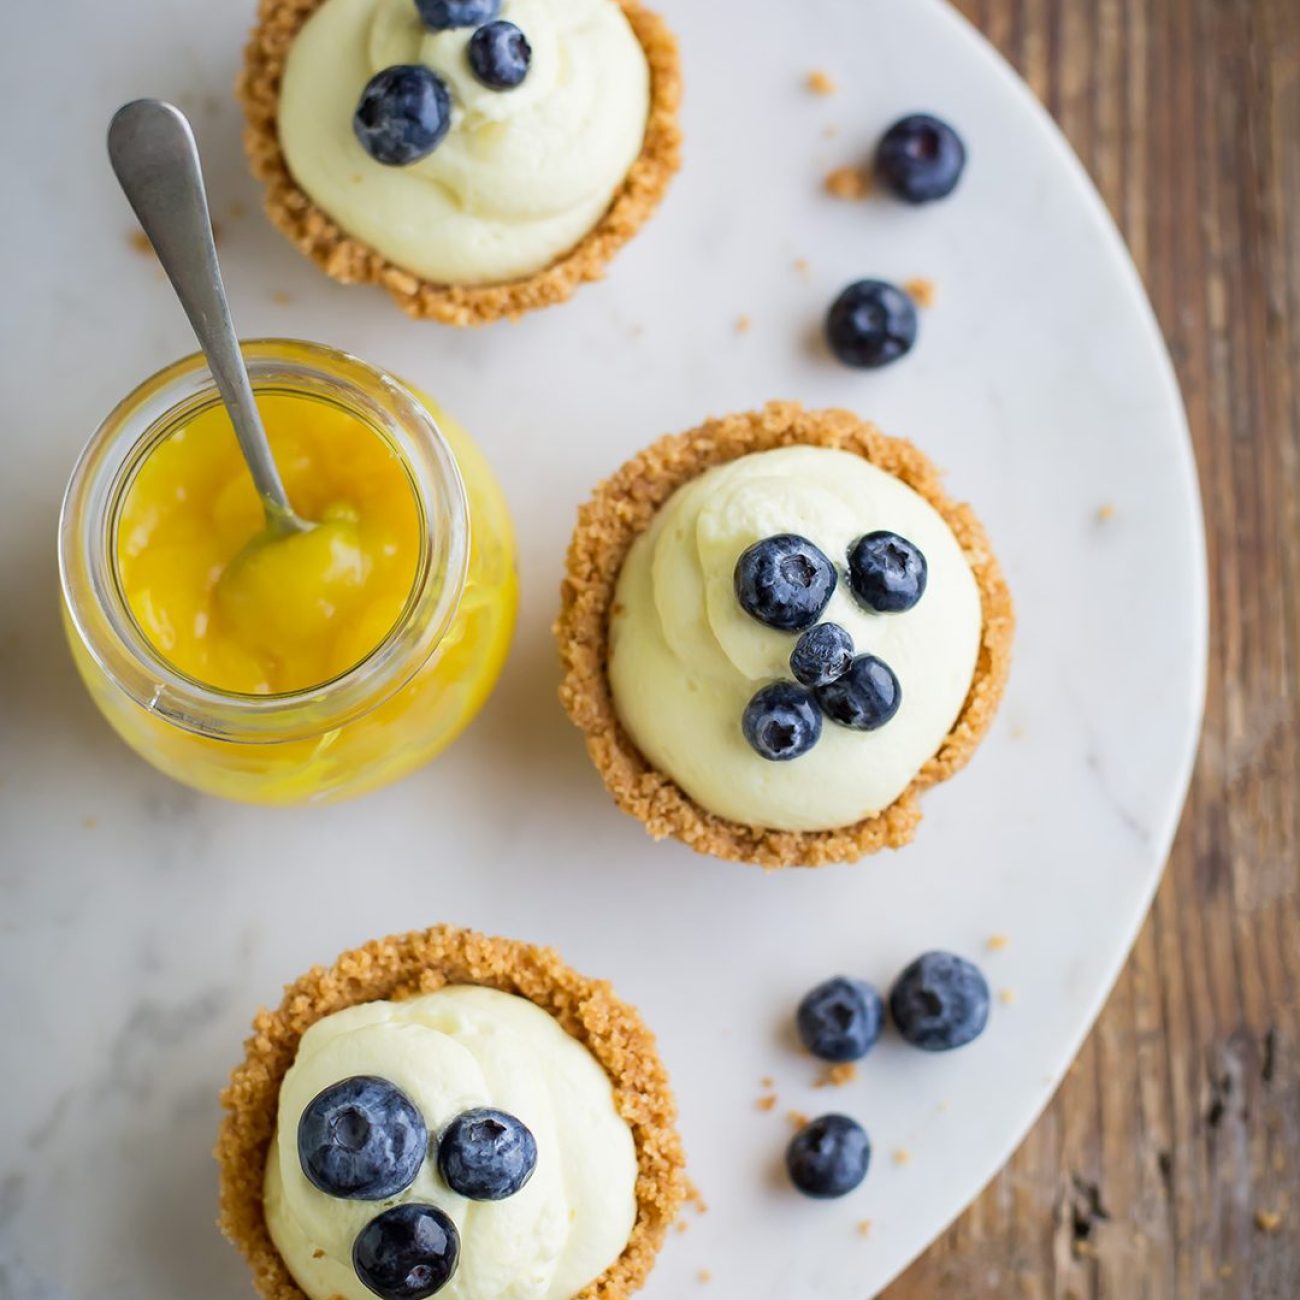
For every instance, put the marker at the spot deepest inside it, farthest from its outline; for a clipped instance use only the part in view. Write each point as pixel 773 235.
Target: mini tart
pixel 622 508
pixel 423 962
pixel 350 261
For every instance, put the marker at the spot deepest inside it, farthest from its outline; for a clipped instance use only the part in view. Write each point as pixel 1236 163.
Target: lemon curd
pixel 281 669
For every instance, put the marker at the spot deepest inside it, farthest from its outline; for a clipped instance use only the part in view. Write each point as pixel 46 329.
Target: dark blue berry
pixel 822 654
pixel 939 1002
pixel 871 324
pixel 407 1253
pixel 403 115
pixel 828 1157
pixel 438 15
pixel 921 158
pixel 486 1155
pixel 840 1019
pixel 781 722
pixel 499 54
pixel 362 1140
pixel 887 572
pixel 865 698
pixel 785 582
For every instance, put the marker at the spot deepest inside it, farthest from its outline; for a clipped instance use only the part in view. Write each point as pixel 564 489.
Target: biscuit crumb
pixel 767 1082
pixel 864 1227
pixel 996 942
pixel 89 822
pixel 236 210
pixel 921 290
pixel 694 1199
pixel 280 298
pixel 836 1076
pixel 318 1253
pixel 1105 513
pixel 742 324
pixel 820 83
pixel 140 242
pixel 1006 996
pixel 830 132
pixel 681 1225
pixel 849 183
pixel 801 265
pixel 768 1102
pixel 1268 1220
pixel 902 1156
pixel 798 1119
pixel 704 1277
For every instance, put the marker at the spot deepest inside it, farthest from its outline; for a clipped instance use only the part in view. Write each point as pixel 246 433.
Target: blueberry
pixel 785 582
pixel 403 115
pixel 781 722
pixel 362 1140
pixel 486 1155
pixel 921 158
pixel 828 1157
pixel 865 698
pixel 887 572
pixel 840 1019
pixel 499 54
pixel 438 15
pixel 940 1002
pixel 407 1253
pixel 871 324
pixel 822 655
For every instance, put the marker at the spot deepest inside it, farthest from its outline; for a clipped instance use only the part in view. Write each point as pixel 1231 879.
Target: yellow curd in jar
pixel 252 617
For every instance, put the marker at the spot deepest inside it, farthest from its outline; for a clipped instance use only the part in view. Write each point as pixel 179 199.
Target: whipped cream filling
pixel 523 174
pixel 685 658
pixel 451 1051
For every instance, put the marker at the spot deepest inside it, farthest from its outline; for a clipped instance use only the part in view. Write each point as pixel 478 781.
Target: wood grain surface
pixel 1168 1164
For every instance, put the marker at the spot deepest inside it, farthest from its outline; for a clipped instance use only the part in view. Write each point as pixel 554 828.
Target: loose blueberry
pixel 840 1019
pixel 785 582
pixel 921 158
pixel 403 115
pixel 499 54
pixel 362 1140
pixel 871 324
pixel 865 698
pixel 822 655
pixel 940 1002
pixel 887 572
pixel 438 15
pixel 828 1157
pixel 781 722
pixel 407 1253
pixel 486 1155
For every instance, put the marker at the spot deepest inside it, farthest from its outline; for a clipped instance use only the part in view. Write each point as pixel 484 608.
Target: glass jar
pixel 383 717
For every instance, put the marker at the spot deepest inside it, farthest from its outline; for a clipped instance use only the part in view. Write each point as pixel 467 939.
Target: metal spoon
pixel 156 160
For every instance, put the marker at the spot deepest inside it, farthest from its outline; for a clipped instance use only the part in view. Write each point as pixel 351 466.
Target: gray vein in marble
pixel 153 1029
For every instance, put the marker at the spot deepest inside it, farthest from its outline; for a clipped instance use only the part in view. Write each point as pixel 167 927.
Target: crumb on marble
pixel 139 241
pixel 830 132
pixel 742 324
pixel 1105 512
pixel 801 265
pixel 682 1225
pixel 996 942
pixel 851 183
pixel 836 1076
pixel 236 210
pixel 767 1082
pixel 921 290
pixel 1006 996
pixel 89 822
pixel 704 1277
pixel 820 83
pixel 1268 1220
pixel 902 1156
pixel 798 1119
pixel 864 1227
pixel 281 298
pixel 767 1103
pixel 694 1199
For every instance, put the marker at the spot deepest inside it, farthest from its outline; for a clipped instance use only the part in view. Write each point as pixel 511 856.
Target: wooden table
pixel 1168 1164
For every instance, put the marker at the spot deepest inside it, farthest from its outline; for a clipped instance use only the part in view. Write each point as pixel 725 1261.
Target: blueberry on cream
pixel 361 1139
pixel 500 54
pixel 822 655
pixel 486 1155
pixel 784 582
pixel 407 1253
pixel 781 722
pixel 887 572
pixel 404 113
pixel 441 15
pixel 864 698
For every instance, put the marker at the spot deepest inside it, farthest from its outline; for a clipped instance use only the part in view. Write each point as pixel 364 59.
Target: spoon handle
pixel 155 158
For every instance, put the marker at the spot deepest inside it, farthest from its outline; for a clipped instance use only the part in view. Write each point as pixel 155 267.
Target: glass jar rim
pixel 102 618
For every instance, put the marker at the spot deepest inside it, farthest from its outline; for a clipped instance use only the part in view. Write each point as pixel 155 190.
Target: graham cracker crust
pixel 350 261
pixel 422 962
pixel 623 506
